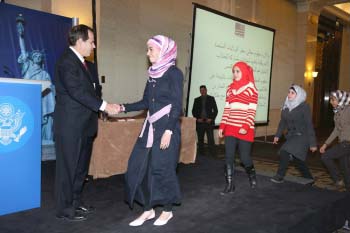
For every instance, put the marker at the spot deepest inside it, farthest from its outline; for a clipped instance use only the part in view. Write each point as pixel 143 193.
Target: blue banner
pixel 20 147
pixel 30 43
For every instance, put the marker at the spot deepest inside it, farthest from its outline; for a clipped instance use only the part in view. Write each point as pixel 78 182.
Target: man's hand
pixel 112 109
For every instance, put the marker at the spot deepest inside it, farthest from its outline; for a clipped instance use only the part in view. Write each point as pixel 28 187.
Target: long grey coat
pixel 300 131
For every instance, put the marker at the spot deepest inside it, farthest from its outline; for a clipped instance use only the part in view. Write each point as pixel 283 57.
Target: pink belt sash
pixel 151 119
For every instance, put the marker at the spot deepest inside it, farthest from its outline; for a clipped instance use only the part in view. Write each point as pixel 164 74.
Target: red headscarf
pixel 247 74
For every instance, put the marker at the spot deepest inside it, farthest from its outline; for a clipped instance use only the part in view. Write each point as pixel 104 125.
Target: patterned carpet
pixel 265 157
pixel 322 178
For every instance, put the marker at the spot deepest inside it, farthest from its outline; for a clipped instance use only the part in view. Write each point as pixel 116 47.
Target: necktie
pixel 85 65
pixel 87 69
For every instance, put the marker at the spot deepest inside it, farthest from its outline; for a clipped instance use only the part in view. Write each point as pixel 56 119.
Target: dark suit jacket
pixel 76 99
pixel 98 90
pixel 93 71
pixel 210 106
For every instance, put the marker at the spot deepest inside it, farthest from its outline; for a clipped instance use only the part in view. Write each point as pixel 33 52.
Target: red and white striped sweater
pixel 239 111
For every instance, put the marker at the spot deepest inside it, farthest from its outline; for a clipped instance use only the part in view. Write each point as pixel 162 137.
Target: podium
pixel 20 144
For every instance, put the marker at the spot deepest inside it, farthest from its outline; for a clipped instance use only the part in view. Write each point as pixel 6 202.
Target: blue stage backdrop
pixel 30 43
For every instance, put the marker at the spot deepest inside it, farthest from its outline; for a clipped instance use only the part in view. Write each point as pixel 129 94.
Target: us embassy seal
pixel 16 123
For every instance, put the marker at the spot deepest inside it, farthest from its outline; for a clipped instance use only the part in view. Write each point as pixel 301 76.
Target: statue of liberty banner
pixel 32 67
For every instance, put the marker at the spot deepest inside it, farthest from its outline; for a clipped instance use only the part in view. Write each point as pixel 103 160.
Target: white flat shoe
pixel 139 221
pixel 161 222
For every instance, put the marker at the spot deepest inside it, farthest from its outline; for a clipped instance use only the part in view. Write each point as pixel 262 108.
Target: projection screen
pixel 219 41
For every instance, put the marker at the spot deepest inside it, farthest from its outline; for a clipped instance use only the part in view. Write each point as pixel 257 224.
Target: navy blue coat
pixel 151 175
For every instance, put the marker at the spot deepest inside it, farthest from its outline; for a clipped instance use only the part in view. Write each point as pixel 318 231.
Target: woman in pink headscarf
pixel 151 178
pixel 237 124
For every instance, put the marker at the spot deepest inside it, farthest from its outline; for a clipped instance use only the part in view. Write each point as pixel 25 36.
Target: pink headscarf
pixel 167 56
pixel 247 74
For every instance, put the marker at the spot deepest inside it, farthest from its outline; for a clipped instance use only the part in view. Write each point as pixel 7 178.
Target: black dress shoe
pixel 85 209
pixel 75 218
pixel 88 178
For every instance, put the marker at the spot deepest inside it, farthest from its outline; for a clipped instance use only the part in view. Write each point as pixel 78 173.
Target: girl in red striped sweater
pixel 237 124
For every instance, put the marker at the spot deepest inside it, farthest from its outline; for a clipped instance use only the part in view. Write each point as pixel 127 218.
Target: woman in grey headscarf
pixel 300 137
pixel 340 101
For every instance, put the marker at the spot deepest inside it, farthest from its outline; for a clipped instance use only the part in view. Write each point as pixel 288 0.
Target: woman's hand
pixel 165 141
pixel 242 131
pixel 275 140
pixel 313 149
pixel 323 148
pixel 220 133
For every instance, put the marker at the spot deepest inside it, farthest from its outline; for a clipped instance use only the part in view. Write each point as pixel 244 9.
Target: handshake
pixel 113 109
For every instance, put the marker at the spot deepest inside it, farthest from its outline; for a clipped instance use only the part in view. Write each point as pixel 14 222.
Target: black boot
pixel 230 187
pixel 252 176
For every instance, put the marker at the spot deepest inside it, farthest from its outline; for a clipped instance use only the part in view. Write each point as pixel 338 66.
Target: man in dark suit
pixel 74 122
pixel 87 150
pixel 205 110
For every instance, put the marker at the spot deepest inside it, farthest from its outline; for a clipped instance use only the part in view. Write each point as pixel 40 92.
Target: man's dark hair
pixel 77 32
pixel 202 86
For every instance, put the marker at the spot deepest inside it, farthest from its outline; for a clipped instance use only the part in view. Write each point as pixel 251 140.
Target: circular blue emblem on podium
pixel 16 123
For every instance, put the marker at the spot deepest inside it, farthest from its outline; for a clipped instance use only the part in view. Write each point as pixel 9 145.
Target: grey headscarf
pixel 299 98
pixel 343 98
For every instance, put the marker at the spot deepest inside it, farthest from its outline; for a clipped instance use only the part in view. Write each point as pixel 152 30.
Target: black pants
pixel 202 129
pixel 82 170
pixel 244 148
pixel 285 157
pixel 341 152
pixel 71 170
